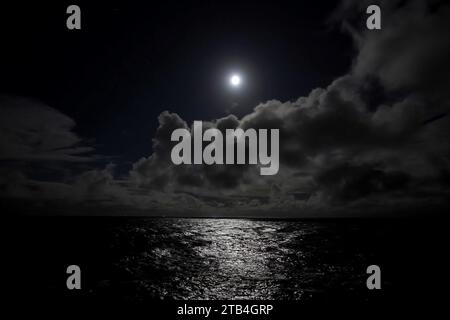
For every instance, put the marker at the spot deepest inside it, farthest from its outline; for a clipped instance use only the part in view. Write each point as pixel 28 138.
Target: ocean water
pixel 139 260
pixel 234 259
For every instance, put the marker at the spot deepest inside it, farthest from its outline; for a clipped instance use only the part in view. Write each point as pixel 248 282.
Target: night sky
pixel 86 114
pixel 134 61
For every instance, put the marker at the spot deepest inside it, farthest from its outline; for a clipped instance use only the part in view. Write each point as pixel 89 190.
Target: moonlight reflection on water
pixel 231 259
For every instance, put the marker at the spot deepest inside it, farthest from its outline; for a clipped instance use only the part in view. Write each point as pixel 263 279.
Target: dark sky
pixel 86 115
pixel 131 61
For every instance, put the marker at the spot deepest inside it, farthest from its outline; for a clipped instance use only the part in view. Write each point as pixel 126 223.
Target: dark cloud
pixel 155 171
pixel 411 50
pixel 350 182
pixel 366 134
pixel 30 130
pixel 158 172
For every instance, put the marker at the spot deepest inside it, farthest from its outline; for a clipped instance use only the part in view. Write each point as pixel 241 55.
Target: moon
pixel 235 80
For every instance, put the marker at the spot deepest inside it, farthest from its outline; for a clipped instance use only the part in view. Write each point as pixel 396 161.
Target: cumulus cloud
pixel 378 131
pixel 411 50
pixel 158 172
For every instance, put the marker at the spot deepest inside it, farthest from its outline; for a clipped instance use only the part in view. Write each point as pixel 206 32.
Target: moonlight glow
pixel 235 80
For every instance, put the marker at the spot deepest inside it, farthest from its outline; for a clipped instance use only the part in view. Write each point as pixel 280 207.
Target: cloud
pixel 366 135
pixel 350 182
pixel 158 172
pixel 30 130
pixel 410 51
pixel 375 139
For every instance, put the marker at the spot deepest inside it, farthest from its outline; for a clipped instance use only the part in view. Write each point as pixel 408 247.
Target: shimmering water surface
pixel 233 259
pixel 307 262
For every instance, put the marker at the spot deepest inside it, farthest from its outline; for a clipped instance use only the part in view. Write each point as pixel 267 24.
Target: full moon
pixel 235 80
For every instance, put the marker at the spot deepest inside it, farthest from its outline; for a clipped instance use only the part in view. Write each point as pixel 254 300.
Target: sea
pixel 137 260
